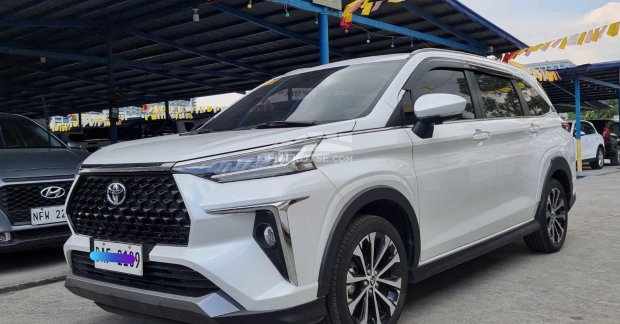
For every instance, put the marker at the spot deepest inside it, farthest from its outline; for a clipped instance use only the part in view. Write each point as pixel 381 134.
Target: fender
pixel 560 163
pixel 346 215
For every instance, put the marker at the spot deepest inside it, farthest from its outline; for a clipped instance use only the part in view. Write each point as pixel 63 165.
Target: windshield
pixel 323 96
pixel 17 132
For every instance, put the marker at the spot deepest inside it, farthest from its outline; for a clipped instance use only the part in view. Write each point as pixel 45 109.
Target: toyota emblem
pixel 52 192
pixel 116 193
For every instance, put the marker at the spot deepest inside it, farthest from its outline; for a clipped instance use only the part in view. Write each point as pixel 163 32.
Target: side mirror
pixel 583 133
pixel 433 109
pixel 74 145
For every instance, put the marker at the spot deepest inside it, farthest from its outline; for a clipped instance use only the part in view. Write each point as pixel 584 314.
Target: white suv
pixel 323 193
pixel 592 143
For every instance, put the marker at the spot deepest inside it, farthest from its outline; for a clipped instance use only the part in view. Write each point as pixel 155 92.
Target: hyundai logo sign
pixel 53 192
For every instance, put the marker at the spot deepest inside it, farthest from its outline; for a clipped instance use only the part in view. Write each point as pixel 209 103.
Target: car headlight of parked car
pixel 271 161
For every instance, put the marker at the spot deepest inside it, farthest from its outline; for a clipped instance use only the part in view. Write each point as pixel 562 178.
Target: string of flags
pixel 586 37
pixel 367 7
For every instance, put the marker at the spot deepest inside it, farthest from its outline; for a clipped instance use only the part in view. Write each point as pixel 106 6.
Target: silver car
pixel 36 172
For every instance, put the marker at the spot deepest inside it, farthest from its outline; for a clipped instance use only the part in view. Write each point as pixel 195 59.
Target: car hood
pixel 39 162
pixel 174 148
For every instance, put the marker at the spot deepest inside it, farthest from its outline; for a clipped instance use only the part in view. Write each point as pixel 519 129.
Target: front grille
pixel 161 277
pixel 43 232
pixel 153 211
pixel 16 200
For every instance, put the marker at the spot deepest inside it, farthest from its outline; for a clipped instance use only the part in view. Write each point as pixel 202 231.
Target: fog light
pixel 270 236
pixel 5 237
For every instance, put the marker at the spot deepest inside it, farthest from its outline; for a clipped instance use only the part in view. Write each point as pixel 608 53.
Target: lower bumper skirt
pixel 213 308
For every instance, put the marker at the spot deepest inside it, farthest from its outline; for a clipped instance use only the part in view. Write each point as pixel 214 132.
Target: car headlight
pixel 272 161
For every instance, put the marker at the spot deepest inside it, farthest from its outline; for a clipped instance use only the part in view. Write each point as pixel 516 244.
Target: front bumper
pixel 221 247
pixel 213 308
pixel 36 237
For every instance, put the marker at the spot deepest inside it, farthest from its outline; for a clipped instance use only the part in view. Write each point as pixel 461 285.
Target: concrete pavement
pixel 580 284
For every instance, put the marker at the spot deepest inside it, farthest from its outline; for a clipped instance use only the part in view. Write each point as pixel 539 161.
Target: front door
pixel 455 170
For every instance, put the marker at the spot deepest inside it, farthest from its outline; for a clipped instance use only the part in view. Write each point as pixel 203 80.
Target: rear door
pixel 517 151
pixel 455 168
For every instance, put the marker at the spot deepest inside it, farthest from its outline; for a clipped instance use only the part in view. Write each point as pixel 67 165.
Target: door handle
pixel 481 136
pixel 534 129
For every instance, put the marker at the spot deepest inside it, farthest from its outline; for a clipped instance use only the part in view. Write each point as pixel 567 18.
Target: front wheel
pixel 553 219
pixel 599 162
pixel 370 276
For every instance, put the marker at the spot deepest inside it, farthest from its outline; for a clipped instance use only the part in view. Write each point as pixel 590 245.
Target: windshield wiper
pixel 284 124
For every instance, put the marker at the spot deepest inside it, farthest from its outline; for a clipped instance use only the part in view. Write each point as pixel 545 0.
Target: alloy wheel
pixel 373 280
pixel 601 158
pixel 556 216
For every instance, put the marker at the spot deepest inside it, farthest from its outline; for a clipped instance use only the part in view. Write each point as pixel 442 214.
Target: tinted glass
pixel 445 81
pixel 587 128
pixel 498 97
pixel 322 96
pixel 536 103
pixel 406 104
pixel 22 133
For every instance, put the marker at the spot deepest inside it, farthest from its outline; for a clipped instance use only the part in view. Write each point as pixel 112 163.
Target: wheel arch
pixel 376 201
pixel 560 170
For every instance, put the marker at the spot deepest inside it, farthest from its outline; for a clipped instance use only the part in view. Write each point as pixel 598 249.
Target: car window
pixel 499 98
pixel 535 101
pixel 319 96
pixel 587 128
pixel 17 132
pixel 445 81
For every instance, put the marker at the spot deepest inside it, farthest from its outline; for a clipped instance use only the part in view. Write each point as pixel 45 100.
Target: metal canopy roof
pixel 60 50
pixel 597 84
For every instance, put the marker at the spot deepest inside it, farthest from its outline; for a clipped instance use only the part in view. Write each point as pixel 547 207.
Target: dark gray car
pixel 36 173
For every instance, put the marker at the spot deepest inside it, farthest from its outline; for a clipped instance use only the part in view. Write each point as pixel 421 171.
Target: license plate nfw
pixel 47 215
pixel 135 250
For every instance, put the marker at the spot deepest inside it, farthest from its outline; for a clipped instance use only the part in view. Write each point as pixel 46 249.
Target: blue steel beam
pixel 304 5
pixel 73 23
pixel 433 20
pixel 275 28
pixel 183 79
pixel 120 62
pixel 195 51
pixel 49 90
pixel 30 67
pixel 600 82
pixel 324 39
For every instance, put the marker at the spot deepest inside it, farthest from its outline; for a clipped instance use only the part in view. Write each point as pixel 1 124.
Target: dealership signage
pixel 336 4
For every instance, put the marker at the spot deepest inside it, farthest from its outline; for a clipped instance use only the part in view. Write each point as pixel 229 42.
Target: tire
pixel 615 159
pixel 599 161
pixel 553 218
pixel 390 281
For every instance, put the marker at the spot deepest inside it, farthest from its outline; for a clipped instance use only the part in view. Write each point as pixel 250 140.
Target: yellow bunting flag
pixel 613 29
pixel 586 37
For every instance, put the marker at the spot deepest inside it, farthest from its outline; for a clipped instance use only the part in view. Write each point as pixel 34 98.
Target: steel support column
pixel 113 131
pixel 578 123
pixel 323 38
pixel 80 122
pixel 167 103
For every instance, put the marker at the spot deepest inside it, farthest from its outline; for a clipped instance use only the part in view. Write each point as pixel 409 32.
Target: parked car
pixel 609 129
pixel 36 172
pixel 323 193
pixel 592 143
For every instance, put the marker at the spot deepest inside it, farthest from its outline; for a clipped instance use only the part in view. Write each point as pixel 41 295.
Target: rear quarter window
pixel 535 101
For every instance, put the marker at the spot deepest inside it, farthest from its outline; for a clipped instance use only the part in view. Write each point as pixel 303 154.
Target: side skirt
pixel 452 260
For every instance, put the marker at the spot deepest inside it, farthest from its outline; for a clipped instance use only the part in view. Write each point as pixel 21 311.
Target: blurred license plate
pixel 121 248
pixel 47 215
